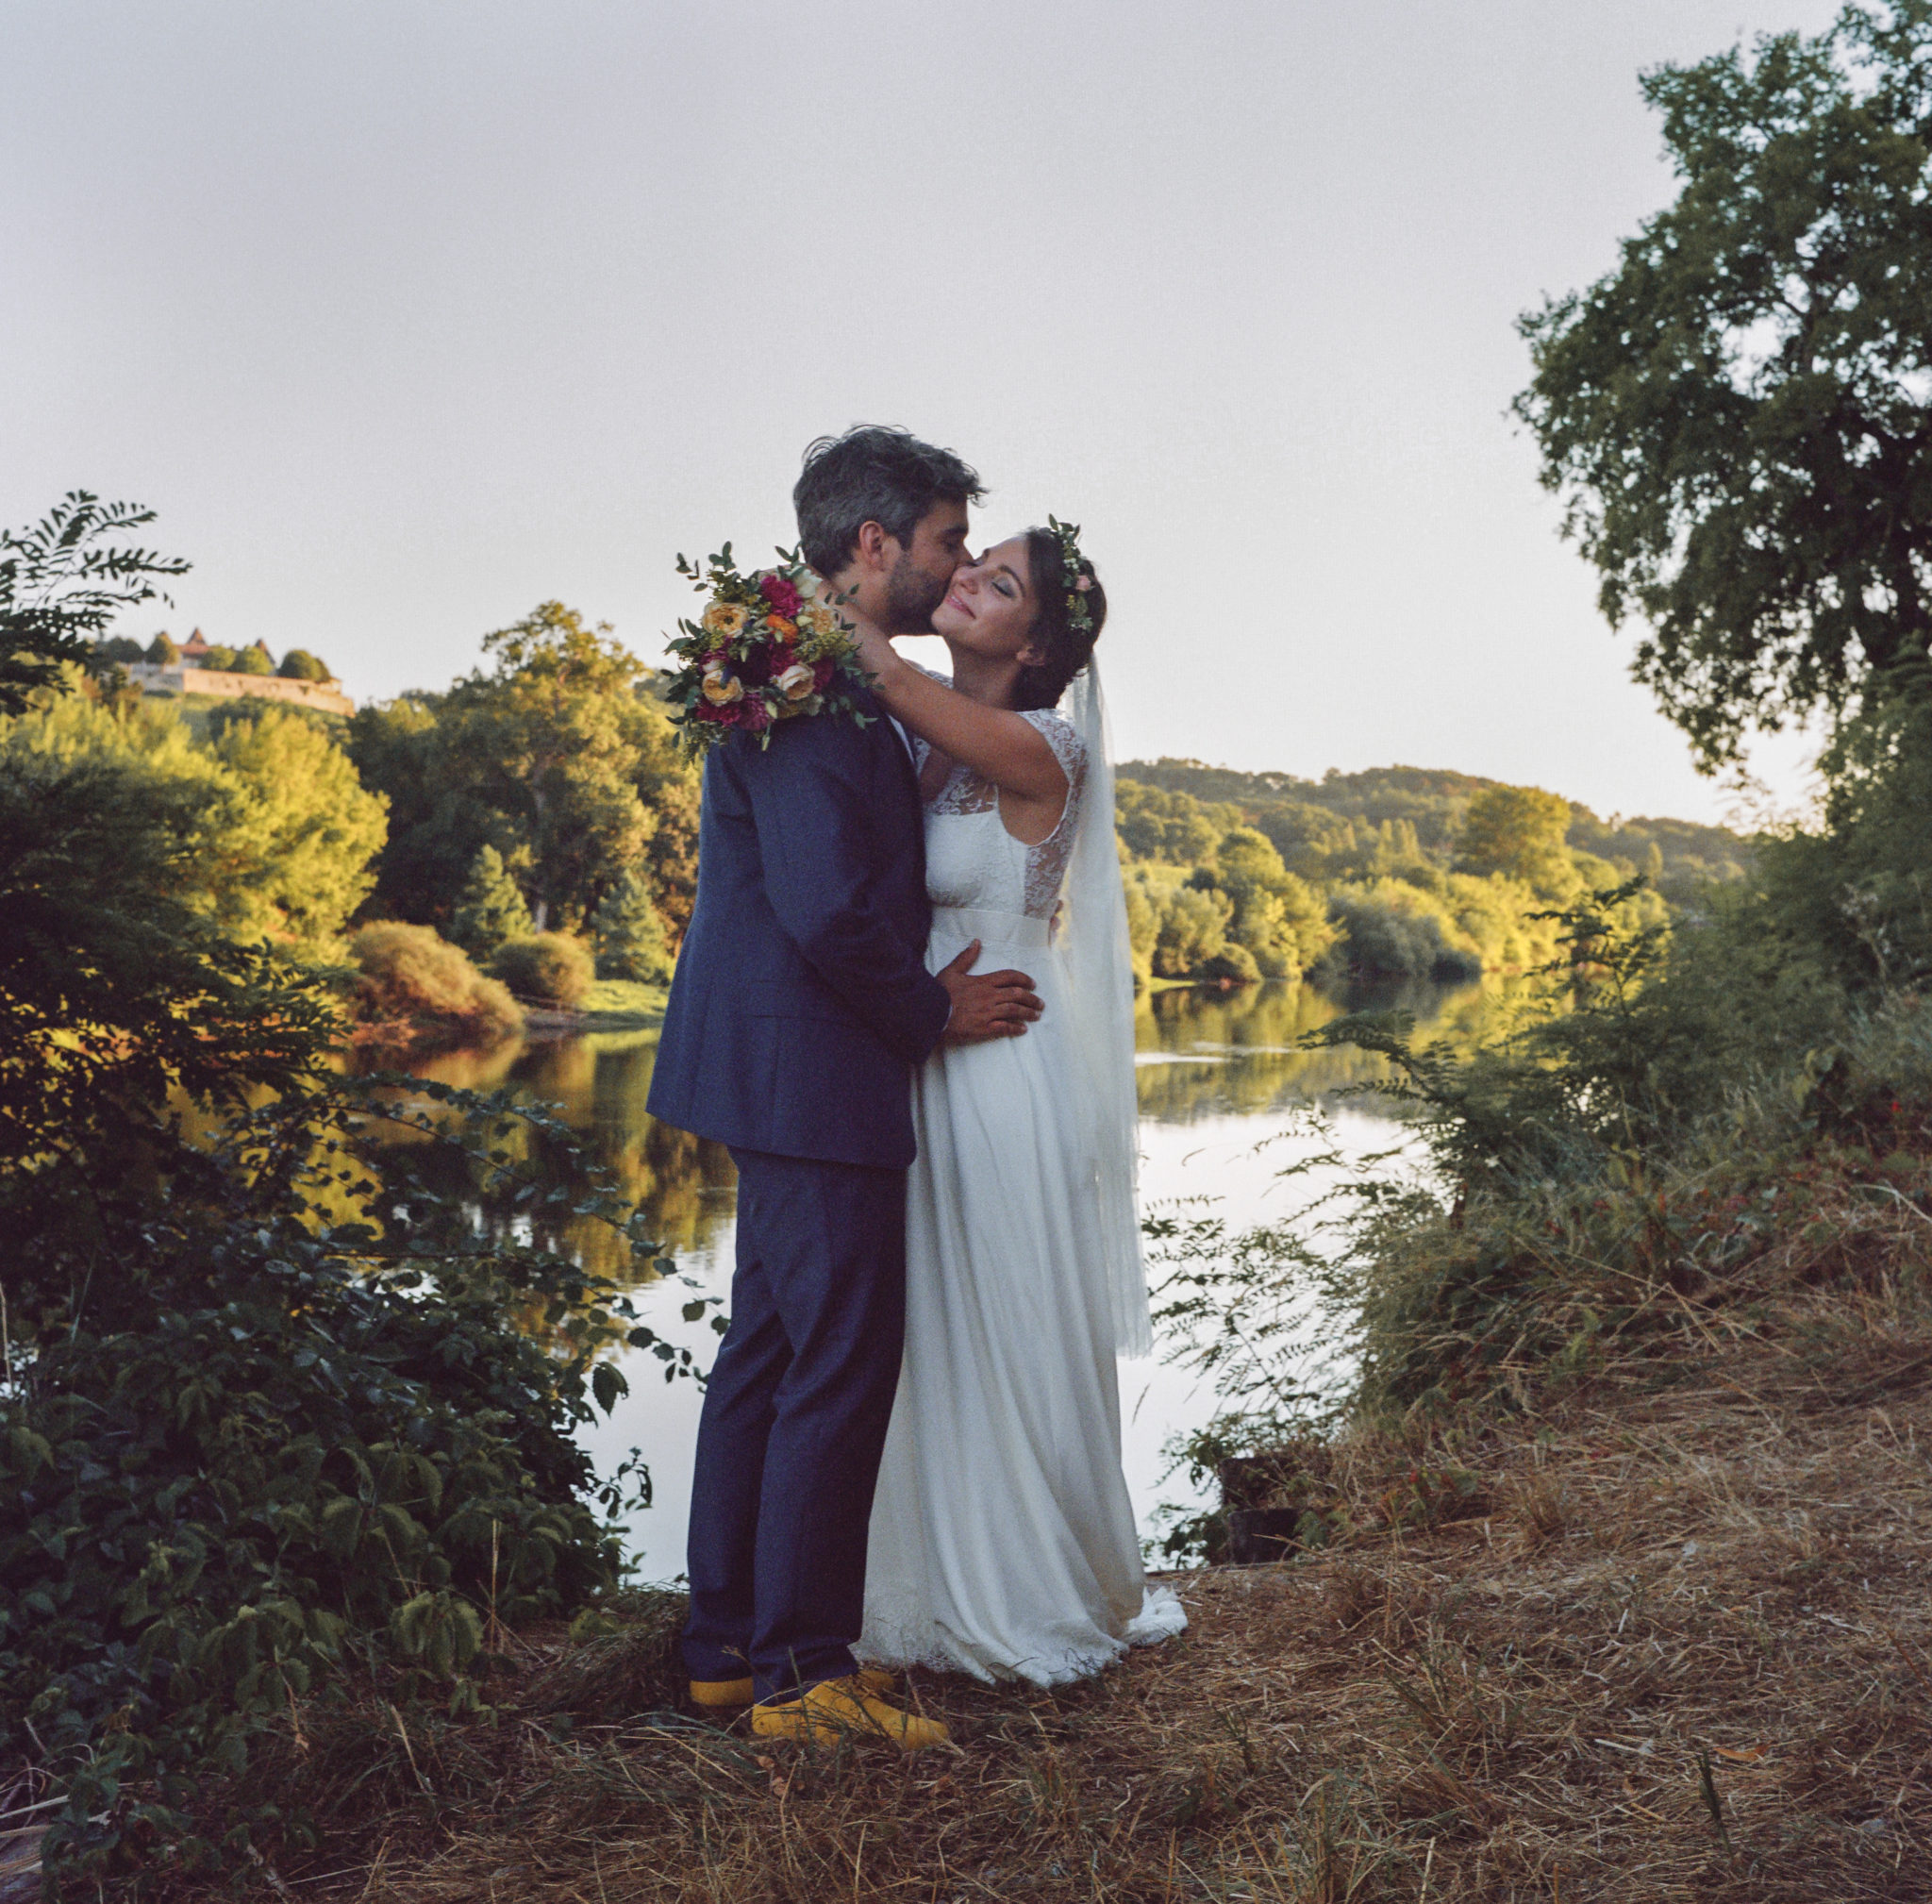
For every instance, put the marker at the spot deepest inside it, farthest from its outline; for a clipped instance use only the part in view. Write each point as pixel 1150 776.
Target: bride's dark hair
pixel 1066 649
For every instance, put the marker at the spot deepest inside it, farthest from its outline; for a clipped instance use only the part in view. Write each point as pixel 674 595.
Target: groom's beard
pixel 912 596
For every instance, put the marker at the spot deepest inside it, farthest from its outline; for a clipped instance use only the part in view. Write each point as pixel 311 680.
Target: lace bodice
pixel 971 860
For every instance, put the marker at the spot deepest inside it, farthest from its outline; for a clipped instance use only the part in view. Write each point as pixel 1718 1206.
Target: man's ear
pixel 872 552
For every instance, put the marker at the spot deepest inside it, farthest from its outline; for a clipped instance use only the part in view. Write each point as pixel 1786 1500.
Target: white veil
pixel 1093 937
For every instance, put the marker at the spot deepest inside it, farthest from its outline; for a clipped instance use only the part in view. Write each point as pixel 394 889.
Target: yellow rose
pixel 818 621
pixel 721 687
pixel 796 682
pixel 725 618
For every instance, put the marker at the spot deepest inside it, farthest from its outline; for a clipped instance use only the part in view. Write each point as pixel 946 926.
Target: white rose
pixel 796 682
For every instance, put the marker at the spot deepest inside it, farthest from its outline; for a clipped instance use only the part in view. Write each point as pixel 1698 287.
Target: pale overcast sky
pixel 408 316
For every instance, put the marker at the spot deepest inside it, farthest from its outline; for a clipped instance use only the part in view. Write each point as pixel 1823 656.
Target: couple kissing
pixel 905 1002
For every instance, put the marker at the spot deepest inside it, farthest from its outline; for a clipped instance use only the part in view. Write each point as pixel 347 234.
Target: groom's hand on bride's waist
pixel 986 1004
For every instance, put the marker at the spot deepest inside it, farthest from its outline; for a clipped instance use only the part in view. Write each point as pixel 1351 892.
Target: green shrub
pixel 162 652
pixel 408 976
pixel 1391 930
pixel 254 660
pixel 1193 930
pixel 269 1419
pixel 549 969
pixel 220 660
pixel 627 931
pixel 298 664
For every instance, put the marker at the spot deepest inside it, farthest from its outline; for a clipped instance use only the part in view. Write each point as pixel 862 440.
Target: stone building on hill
pixel 190 675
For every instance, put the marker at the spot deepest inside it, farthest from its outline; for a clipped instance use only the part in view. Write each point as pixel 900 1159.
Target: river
pixel 1223 1083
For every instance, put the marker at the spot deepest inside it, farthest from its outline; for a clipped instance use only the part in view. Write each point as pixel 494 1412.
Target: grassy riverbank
pixel 1652 1622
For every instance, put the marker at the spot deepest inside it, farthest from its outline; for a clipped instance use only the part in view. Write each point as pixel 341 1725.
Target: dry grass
pixel 1660 1630
pixel 1682 1650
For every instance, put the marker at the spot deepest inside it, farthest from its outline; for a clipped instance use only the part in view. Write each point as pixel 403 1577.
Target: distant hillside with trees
pixel 1393 874
pixel 1677 855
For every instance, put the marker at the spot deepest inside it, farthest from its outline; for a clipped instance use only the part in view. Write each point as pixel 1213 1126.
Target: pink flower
pixel 781 593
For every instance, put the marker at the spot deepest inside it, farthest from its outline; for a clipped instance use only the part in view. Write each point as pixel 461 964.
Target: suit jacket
pixel 801 1000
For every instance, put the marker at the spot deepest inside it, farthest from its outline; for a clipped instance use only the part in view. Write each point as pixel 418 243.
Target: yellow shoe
pixel 723 1695
pixel 837 1709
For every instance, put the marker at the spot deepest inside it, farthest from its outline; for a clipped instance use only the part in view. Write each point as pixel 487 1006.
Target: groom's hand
pixel 986 1004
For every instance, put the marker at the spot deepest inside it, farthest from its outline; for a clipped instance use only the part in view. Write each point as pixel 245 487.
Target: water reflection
pixel 596 1086
pixel 1210 1054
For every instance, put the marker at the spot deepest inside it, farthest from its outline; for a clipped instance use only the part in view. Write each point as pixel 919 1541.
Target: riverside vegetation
pixel 1602 1572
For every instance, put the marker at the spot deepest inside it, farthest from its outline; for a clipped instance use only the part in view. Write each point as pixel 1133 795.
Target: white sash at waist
pixel 967 923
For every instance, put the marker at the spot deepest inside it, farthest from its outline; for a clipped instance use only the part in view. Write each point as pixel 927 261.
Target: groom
pixel 800 1006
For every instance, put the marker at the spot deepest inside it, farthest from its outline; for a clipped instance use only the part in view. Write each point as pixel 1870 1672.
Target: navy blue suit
pixel 800 1005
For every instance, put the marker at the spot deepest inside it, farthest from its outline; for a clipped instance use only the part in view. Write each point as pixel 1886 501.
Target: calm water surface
pixel 1220 1084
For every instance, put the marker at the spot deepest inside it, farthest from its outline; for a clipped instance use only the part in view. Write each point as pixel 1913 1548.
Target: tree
pixel 220 659
pixel 298 664
pixel 252 659
pixel 1193 931
pixel 490 908
pixel 1520 832
pixel 304 844
pixel 628 932
pixel 162 652
pixel 275 832
pixel 1739 416
pixel 558 755
pixel 59 588
pixel 1277 920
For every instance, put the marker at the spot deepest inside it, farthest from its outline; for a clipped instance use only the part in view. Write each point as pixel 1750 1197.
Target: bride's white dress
pixel 1002 1538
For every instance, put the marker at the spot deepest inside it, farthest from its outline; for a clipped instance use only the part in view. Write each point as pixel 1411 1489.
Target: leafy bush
pixel 298 664
pixel 1856 896
pixel 409 977
pixel 549 969
pixel 162 652
pixel 218 660
pixel 267 1420
pixel 1193 930
pixel 252 659
pixel 283 1447
pixel 1392 931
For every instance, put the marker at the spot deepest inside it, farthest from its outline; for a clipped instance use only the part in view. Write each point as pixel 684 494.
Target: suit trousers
pixel 794 1422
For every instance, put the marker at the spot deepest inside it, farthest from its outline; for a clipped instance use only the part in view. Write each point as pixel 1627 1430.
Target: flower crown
pixel 1073 575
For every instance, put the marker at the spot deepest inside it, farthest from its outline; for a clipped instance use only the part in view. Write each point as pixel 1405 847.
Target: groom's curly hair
pixel 1068 649
pixel 872 473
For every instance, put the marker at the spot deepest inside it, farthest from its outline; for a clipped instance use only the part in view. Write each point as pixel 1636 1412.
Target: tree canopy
pixel 556 756
pixel 1739 416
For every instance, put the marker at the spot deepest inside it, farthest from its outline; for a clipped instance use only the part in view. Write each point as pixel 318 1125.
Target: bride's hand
pixel 874 646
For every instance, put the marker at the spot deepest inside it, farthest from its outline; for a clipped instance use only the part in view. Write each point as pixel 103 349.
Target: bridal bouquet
pixel 766 648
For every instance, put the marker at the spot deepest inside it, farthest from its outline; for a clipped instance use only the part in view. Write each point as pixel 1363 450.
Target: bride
pixel 1003 1539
